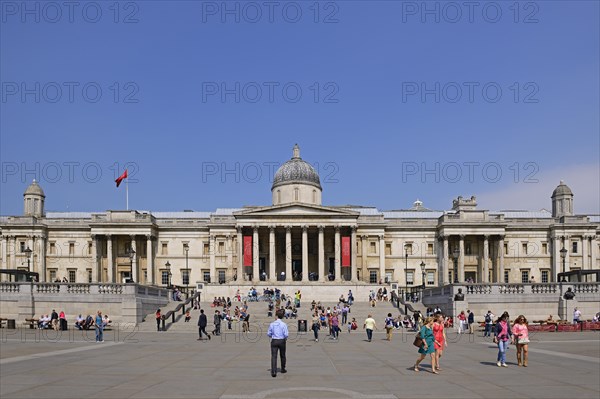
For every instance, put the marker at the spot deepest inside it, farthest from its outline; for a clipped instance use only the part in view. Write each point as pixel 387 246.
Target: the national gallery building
pixel 298 239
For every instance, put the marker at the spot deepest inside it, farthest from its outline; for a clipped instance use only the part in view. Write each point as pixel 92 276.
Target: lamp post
pixel 423 273
pixel 131 258
pixel 168 266
pixel 563 255
pixel 455 255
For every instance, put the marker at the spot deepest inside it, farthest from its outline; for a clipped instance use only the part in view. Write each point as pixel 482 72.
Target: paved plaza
pixel 138 363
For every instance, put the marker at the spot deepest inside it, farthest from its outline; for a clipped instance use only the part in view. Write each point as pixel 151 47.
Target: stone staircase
pixel 259 318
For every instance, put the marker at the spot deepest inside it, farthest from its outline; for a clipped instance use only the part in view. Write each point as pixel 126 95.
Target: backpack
pixel 388 321
pixel 488 318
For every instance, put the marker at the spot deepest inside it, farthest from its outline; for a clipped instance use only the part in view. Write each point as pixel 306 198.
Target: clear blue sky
pixel 363 116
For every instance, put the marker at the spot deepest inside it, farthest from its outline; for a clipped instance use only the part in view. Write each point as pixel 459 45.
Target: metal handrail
pixel 171 313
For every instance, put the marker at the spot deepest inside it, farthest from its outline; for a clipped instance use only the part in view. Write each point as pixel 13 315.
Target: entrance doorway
pixel 297 269
pixel 471 275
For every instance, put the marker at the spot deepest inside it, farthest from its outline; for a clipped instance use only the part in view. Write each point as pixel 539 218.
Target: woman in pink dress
pixel 439 334
pixel 521 334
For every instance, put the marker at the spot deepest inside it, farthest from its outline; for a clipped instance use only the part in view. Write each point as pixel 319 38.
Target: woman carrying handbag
pixel 521 334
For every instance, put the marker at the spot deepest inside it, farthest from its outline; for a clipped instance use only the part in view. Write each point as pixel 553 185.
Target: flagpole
pixel 127 193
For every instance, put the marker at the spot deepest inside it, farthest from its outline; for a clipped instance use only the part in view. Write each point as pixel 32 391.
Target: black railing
pixel 181 307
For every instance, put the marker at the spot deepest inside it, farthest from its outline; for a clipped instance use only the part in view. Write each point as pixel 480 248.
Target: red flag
pixel 345 251
pixel 120 178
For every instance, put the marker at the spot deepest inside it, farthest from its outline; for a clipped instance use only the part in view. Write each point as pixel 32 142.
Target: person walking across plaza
pixel 316 325
pixel 202 323
pixel 99 327
pixel 370 325
pixel 278 332
pixel 521 334
pixel 428 346
pixel 439 335
pixel 489 323
pixel 471 321
pixel 389 326
pixel 217 323
pixel 576 316
pixel 158 319
pixel 502 336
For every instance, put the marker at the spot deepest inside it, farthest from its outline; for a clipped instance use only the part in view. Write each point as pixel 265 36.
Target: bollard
pixel 163 323
pixel 172 317
pixel 183 309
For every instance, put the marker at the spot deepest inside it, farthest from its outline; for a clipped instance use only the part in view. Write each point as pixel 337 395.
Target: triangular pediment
pixel 296 210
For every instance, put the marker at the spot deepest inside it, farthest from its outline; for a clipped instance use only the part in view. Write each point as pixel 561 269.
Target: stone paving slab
pixel 176 365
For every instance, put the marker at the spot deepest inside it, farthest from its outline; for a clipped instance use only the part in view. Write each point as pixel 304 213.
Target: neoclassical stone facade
pixel 297 238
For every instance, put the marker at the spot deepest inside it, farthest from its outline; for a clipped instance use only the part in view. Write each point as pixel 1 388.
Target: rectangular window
pixel 22 246
pixel 524 248
pixel 408 248
pixel 430 278
pixel 206 249
pixel 72 275
pixel 52 276
pixel 164 277
pixel 52 248
pixel 544 248
pixel 71 248
pixel 206 276
pixel 524 276
pixel 506 273
pixel 468 249
pixel 388 248
pixel 89 275
pixel 373 276
pixel 430 249
pixel 221 248
pixel 163 249
pixel 221 276
pixel 372 248
pixel 545 276
pixel 505 249
pixel 574 247
pixel 185 277
pixel 89 248
pixel 410 277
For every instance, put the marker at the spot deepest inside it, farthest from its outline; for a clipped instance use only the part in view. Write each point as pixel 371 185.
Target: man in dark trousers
pixel 278 332
pixel 202 322
pixel 471 321
pixel 217 322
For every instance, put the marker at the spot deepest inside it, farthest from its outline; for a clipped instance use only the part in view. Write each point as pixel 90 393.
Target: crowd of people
pixel 58 321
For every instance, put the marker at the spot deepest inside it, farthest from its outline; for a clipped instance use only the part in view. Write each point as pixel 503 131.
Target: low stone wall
pixel 325 292
pixel 534 301
pixel 123 303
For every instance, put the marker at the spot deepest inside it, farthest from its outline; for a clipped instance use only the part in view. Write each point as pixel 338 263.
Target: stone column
pixel 13 255
pixel 501 259
pixel 338 250
pixel 212 248
pixel 584 252
pixel 134 264
pixel 4 252
pixel 555 258
pixel 240 245
pixel 255 255
pixel 566 241
pixel 322 276
pixel 96 276
pixel 353 266
pixel 305 253
pixel 381 258
pixel 43 259
pixel 288 253
pixel 149 260
pixel 594 245
pixel 110 260
pixel 272 272
pixel 229 250
pixel 364 240
pixel 486 255
pixel 461 259
pixel 445 259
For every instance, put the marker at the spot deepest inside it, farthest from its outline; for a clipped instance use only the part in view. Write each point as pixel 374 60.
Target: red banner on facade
pixel 247 250
pixel 345 251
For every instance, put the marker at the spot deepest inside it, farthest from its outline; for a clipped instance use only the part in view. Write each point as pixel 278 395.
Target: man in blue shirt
pixel 278 332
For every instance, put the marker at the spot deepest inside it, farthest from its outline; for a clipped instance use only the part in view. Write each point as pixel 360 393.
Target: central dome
pixel 296 171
